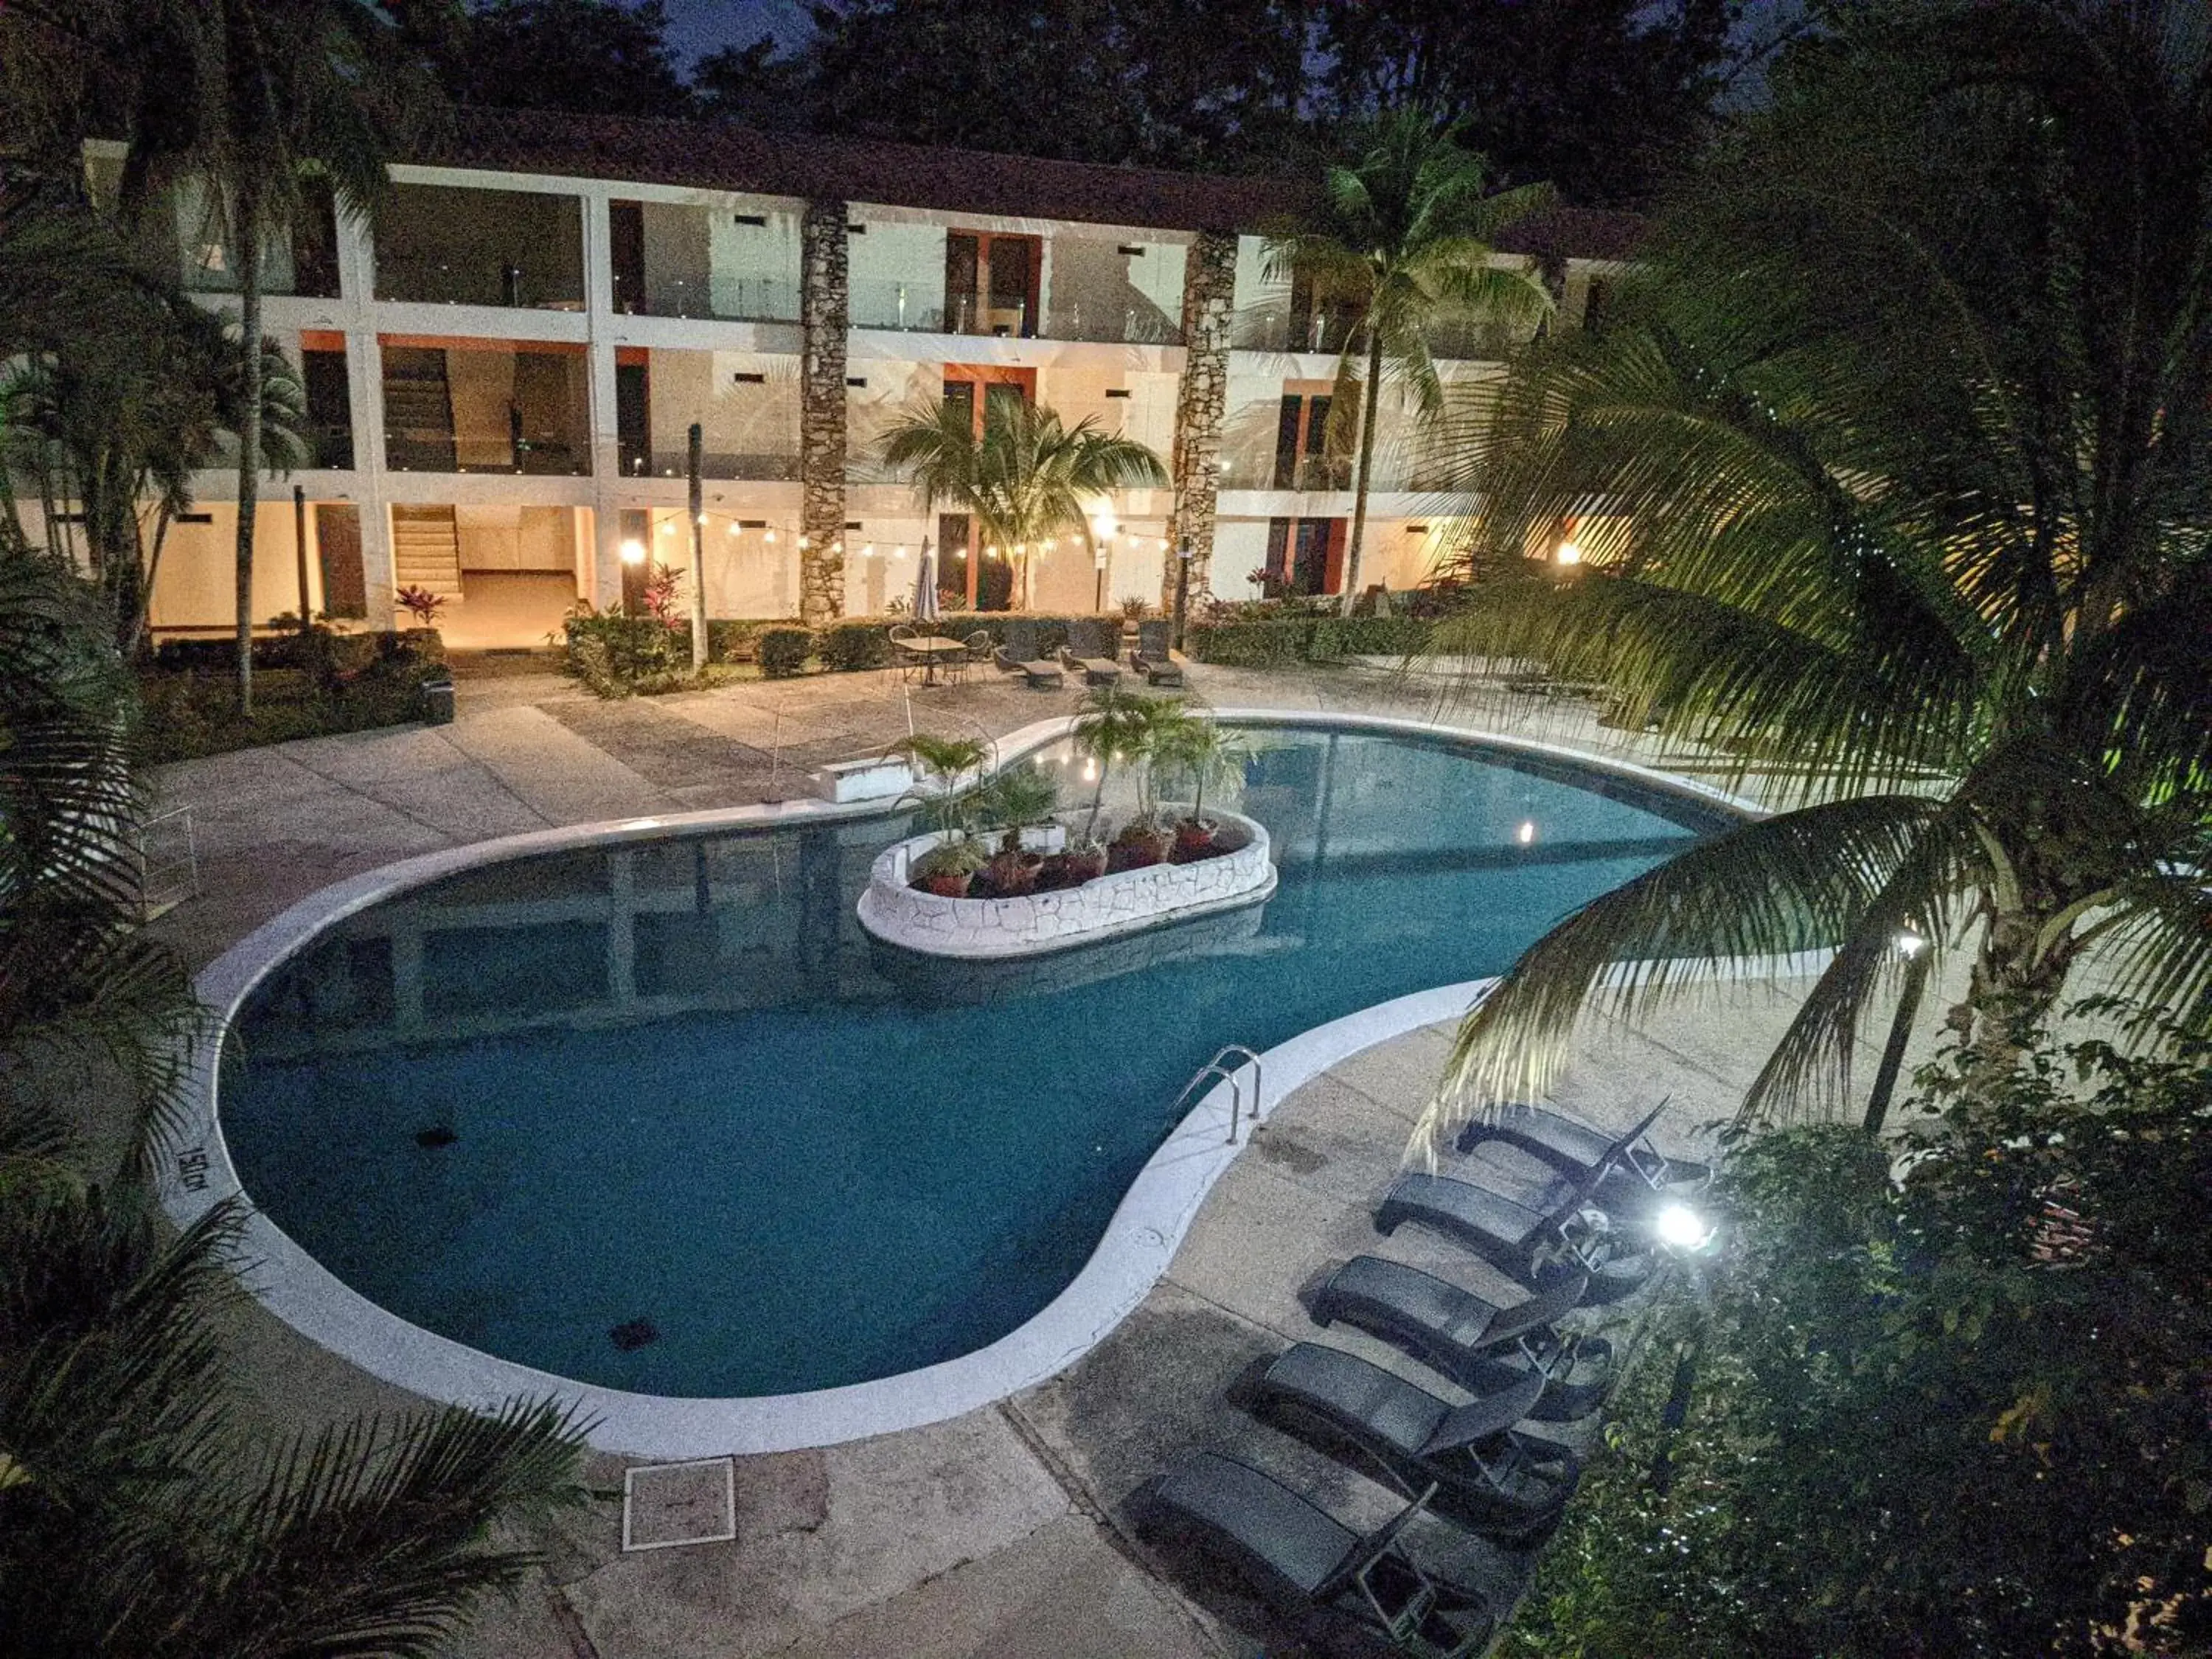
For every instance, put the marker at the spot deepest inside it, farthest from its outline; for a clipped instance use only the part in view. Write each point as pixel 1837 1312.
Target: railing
pixel 713 464
pixel 1213 1071
pixel 540 458
pixel 734 299
pixel 1112 325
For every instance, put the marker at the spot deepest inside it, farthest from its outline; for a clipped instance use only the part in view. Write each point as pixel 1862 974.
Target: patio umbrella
pixel 925 587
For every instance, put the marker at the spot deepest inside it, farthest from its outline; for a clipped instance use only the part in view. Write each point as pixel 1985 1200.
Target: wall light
pixel 1568 553
pixel 633 551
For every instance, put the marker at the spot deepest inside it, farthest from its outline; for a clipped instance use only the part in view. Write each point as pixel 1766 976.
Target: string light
pixel 735 527
pixel 769 536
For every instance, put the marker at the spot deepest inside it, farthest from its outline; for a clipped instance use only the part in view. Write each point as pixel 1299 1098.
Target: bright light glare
pixel 735 527
pixel 1091 771
pixel 769 536
pixel 1527 831
pixel 1569 553
pixel 1681 1228
pixel 1911 943
pixel 633 551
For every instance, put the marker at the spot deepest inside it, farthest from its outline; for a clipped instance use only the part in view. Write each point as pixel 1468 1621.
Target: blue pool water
pixel 683 1088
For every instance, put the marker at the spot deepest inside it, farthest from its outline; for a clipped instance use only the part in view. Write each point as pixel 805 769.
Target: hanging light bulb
pixel 769 536
pixel 868 549
pixel 735 527
pixel 802 542
pixel 668 526
pixel 702 518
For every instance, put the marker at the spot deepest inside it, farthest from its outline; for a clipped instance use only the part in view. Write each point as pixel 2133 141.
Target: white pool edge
pixel 1147 1227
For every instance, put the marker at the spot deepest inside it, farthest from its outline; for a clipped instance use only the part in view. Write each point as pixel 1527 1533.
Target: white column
pixel 605 590
pixel 365 391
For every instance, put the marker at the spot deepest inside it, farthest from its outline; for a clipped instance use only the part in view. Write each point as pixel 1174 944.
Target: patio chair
pixel 901 635
pixel 1091 651
pixel 1578 1151
pixel 978 654
pixel 1506 1482
pixel 1479 1344
pixel 1152 657
pixel 1302 1560
pixel 1021 654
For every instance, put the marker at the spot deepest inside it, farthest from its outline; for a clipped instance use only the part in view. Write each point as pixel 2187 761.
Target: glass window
pixel 485 406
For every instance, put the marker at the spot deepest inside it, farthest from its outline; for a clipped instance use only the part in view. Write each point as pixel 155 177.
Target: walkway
pixel 999 1534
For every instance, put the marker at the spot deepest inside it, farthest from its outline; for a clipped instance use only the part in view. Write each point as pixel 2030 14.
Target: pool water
pixel 673 1085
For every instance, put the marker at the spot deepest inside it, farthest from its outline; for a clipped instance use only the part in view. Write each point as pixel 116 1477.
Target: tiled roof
pixel 714 157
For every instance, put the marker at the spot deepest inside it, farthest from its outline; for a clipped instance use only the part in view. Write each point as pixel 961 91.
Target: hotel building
pixel 501 375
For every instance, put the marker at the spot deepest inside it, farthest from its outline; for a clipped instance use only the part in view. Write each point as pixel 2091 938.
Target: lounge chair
pixel 1304 1560
pixel 1091 652
pixel 1022 654
pixel 1505 1481
pixel 1535 1243
pixel 1478 1344
pixel 1578 1151
pixel 1152 657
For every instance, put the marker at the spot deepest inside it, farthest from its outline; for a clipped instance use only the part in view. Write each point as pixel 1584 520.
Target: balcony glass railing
pixel 718 463
pixel 1122 324
pixel 724 299
pixel 444 246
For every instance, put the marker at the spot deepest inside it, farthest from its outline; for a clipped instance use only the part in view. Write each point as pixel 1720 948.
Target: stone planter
pixel 1241 873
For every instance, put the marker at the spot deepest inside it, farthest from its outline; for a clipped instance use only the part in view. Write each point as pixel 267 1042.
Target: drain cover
pixel 664 1505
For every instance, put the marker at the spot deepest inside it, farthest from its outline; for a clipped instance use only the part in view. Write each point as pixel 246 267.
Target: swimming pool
pixel 656 1116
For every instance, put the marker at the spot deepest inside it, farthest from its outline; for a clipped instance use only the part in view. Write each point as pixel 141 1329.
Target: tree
pixel 592 57
pixel 1402 244
pixel 1956 1410
pixel 1119 87
pixel 1901 468
pixel 253 98
pixel 1027 478
pixel 1598 97
pixel 113 422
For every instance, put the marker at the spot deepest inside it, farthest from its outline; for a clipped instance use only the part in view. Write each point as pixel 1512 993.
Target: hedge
pixel 320 651
pixel 189 714
pixel 1280 642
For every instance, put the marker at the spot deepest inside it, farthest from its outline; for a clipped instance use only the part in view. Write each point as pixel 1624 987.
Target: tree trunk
pixel 146 587
pixel 2012 989
pixel 1370 418
pixel 247 232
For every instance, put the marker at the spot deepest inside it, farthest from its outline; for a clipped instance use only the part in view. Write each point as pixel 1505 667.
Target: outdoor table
pixel 929 647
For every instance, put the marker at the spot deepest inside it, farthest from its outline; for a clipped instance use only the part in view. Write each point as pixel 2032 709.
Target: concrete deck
pixel 1005 1534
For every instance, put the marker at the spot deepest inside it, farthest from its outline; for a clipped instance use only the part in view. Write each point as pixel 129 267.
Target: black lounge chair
pixel 1578 1151
pixel 1022 654
pixel 1482 1346
pixel 1090 649
pixel 1154 657
pixel 1304 1560
pixel 1535 1243
pixel 1504 1481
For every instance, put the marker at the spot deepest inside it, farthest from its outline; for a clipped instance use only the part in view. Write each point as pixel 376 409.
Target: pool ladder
pixel 1214 1071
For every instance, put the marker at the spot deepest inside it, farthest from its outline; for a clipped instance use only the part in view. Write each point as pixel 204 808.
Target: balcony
pixel 717 464
pixel 672 260
pixel 439 245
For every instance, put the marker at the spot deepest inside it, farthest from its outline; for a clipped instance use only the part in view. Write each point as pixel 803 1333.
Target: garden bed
pixel 1238 870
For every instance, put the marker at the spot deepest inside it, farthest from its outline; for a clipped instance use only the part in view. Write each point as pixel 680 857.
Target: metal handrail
pixel 1214 1070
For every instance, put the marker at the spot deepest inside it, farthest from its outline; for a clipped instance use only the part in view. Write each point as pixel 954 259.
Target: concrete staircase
pixel 426 549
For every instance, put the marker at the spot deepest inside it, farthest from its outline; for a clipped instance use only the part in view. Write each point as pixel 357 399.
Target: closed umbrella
pixel 925 587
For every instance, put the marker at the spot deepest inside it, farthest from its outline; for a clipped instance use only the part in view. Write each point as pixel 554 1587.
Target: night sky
pixel 696 26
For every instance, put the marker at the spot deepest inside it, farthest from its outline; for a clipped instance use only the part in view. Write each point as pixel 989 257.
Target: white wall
pixel 895 253
pixel 196 586
pixel 737 417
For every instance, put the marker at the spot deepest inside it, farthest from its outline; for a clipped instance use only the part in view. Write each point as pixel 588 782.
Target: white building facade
pixel 501 377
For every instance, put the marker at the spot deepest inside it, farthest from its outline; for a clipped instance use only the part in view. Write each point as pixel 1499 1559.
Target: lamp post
pixel 300 554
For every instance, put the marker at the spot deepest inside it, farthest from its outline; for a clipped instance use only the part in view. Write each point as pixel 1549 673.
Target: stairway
pixel 426 549
pixel 418 410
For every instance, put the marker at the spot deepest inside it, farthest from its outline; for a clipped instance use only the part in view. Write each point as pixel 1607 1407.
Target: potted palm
pixel 948 868
pixel 1205 751
pixel 1114 725
pixel 1018 800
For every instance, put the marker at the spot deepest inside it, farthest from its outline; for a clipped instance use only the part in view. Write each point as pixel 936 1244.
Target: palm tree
pixel 1027 478
pixel 1401 243
pixel 253 98
pixel 1903 462
pixel 114 423
pixel 1114 725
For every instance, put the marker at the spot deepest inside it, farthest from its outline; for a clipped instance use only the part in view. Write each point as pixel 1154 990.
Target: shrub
pixel 187 713
pixel 611 654
pixel 847 647
pixel 1251 644
pixel 784 651
pixel 731 641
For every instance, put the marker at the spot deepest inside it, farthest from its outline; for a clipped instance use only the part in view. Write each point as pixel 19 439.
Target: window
pixel 1304 556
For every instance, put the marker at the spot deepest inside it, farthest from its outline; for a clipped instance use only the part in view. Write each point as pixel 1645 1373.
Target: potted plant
pixel 1114 725
pixel 1019 801
pixel 948 868
pixel 949 762
pixel 1205 751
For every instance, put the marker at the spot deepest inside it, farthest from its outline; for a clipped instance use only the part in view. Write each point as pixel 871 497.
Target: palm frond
pixel 1795 882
